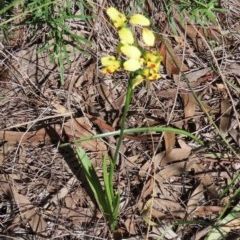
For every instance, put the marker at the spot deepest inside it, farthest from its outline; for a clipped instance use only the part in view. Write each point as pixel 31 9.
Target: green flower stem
pixel 119 143
pixel 125 111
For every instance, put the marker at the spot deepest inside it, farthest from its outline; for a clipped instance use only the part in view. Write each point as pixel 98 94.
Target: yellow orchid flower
pixel 153 56
pixel 148 37
pixel 131 51
pixel 144 64
pixel 132 65
pixel 153 60
pixel 126 36
pixel 154 66
pixel 110 63
pixel 117 18
pixel 154 76
pixel 139 19
pixel 109 70
pixel 150 74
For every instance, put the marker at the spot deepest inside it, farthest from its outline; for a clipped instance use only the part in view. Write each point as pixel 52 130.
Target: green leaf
pixel 138 130
pixel 93 180
pixel 107 184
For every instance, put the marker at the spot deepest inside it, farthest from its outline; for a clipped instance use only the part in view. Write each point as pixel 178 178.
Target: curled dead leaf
pixel 225 115
pixel 172 63
pixel 194 199
pixel 169 139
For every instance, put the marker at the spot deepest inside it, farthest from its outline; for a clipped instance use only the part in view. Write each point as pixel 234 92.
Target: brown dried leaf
pixel 225 115
pixel 100 123
pixel 147 189
pixel 231 225
pixel 195 75
pixel 29 213
pixel 130 225
pixel 60 108
pixel 169 139
pixel 78 128
pixel 203 211
pixel 199 235
pixel 62 192
pixel 106 95
pixel 73 129
pixel 162 159
pixel 177 168
pixel 207 182
pixel 189 105
pixel 33 137
pixel 194 199
pixel 199 33
pixel 235 135
pixel 172 63
pixel 147 213
pixel 81 215
pixel 5 148
pixel 163 207
pixel 87 76
pixel 177 154
pixel 184 145
pixel 164 230
pixel 156 161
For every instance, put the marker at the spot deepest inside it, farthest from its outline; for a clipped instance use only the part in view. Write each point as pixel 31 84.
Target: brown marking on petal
pixel 152 65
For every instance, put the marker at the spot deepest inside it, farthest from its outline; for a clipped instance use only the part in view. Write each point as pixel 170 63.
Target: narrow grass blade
pixel 222 228
pixel 9 6
pixel 115 212
pixel 116 203
pixel 93 180
pixel 107 184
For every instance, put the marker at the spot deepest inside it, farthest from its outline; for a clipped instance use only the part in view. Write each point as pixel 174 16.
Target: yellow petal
pixel 153 60
pixel 153 57
pixel 153 66
pixel 139 19
pixel 131 51
pixel 146 72
pixel 110 63
pixel 132 65
pixel 154 76
pixel 126 36
pixel 148 37
pixel 117 18
pixel 109 70
pixel 150 74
